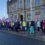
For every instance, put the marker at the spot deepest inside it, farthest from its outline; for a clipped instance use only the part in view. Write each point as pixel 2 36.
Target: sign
pixel 12 24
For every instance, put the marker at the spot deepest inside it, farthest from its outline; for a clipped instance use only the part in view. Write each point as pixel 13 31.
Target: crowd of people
pixel 31 26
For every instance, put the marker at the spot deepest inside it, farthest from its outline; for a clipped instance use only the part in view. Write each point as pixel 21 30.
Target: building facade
pixel 28 9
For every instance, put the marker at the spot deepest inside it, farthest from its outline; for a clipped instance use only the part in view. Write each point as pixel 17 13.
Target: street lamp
pixel 24 10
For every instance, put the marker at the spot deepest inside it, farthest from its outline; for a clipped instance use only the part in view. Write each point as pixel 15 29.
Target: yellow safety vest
pixel 12 24
pixel 3 24
pixel 24 23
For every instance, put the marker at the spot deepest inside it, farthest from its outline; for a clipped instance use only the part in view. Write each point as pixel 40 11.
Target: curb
pixel 26 36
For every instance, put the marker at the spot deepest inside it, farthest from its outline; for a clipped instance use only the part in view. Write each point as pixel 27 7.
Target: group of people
pixel 37 26
pixel 31 26
pixel 14 26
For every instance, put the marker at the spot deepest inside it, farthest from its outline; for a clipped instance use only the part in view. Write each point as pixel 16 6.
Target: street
pixel 11 39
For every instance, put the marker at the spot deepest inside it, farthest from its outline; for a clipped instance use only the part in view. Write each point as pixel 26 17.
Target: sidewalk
pixel 26 34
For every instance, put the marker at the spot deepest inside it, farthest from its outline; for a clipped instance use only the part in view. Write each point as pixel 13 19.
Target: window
pixel 20 4
pixel 27 3
pixel 37 2
pixel 37 7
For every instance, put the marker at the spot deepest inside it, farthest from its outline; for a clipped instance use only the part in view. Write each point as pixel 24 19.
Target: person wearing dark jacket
pixel 32 27
pixel 42 25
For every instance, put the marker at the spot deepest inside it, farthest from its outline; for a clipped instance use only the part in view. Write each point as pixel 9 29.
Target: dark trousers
pixel 44 30
pixel 38 28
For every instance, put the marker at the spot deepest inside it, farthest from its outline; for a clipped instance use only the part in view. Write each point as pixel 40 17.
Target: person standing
pixel 43 26
pixel 24 24
pixel 27 25
pixel 32 27
pixel 38 25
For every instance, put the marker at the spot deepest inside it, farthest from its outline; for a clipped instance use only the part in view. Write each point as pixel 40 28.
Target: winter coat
pixel 43 24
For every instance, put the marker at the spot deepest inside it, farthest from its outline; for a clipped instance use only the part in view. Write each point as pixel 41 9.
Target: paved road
pixel 11 39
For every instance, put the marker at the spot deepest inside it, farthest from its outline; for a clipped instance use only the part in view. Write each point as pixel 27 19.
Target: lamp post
pixel 24 10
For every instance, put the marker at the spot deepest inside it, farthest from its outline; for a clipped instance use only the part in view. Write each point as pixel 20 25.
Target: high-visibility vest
pixel 3 24
pixel 12 24
pixel 24 23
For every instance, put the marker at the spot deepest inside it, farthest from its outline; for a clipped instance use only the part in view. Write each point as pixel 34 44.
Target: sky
pixel 3 9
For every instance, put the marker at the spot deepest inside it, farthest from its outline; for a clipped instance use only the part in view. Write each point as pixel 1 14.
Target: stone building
pixel 26 9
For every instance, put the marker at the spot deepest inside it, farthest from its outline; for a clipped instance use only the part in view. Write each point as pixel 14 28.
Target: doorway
pixel 21 17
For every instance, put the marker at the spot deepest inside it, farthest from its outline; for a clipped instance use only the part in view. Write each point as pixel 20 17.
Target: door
pixel 21 17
